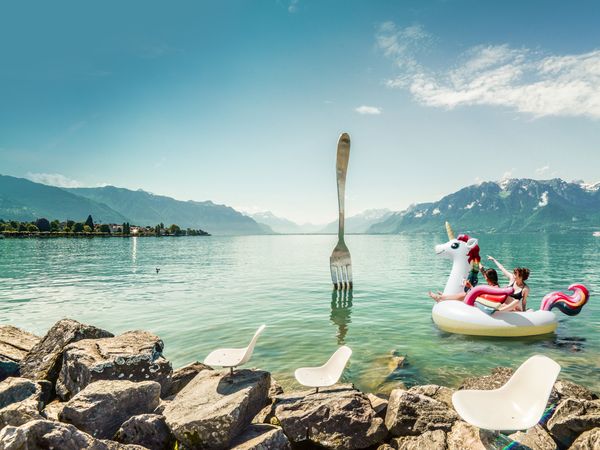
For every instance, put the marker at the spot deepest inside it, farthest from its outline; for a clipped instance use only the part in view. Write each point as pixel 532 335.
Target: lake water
pixel 215 291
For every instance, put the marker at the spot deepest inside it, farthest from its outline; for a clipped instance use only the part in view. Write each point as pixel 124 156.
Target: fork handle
pixel 341 166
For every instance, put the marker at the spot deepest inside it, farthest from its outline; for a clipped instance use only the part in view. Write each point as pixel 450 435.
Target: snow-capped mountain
pixel 508 205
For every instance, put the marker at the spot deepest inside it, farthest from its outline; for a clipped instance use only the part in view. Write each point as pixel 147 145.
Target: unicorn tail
pixel 570 305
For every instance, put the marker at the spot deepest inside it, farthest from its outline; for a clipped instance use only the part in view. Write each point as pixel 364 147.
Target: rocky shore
pixel 81 387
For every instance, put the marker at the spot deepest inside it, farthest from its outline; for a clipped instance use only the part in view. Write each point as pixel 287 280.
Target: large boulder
pixel 567 389
pixel 14 345
pixel 590 440
pixel 147 430
pixel 216 407
pixel 440 393
pixel 464 436
pixel 535 438
pixel 430 440
pixel 102 407
pixel 44 360
pixel 573 417
pixel 46 434
pixel 333 418
pixel 412 414
pixel 132 356
pixel 261 437
pixel 15 389
pixel 20 401
pixel 182 376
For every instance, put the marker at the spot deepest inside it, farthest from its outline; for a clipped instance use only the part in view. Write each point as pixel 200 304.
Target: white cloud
pixel 53 179
pixel 542 170
pixel 364 109
pixel 293 6
pixel 521 79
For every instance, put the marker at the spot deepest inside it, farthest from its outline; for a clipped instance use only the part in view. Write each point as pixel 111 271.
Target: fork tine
pixel 340 277
pixel 334 277
pixel 349 272
pixel 344 276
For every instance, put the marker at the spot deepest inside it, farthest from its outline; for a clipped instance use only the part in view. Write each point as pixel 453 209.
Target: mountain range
pixel 358 223
pixel 510 205
pixel 24 200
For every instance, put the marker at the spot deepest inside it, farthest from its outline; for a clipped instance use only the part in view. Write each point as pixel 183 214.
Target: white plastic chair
pixel 518 405
pixel 326 375
pixel 233 357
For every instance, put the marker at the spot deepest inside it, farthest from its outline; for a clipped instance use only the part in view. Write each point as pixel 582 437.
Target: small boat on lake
pixel 596 233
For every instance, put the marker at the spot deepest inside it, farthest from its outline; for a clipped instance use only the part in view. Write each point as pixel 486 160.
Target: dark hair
pixel 491 275
pixel 522 272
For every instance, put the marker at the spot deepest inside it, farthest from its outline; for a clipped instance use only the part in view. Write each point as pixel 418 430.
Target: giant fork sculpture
pixel 340 262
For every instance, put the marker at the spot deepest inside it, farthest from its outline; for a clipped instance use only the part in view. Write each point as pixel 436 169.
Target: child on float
pixel 518 300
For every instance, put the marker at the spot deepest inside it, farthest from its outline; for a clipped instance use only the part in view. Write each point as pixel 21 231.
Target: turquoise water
pixel 216 291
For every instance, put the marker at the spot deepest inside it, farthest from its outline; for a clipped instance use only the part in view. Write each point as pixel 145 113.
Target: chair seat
pixel 225 357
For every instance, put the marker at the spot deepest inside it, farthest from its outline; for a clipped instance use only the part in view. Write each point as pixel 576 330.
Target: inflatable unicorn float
pixel 463 317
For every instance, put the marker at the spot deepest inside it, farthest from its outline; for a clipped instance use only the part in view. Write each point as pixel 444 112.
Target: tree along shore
pixel 43 228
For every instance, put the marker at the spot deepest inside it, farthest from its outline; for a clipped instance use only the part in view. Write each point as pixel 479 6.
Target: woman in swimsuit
pixel 518 300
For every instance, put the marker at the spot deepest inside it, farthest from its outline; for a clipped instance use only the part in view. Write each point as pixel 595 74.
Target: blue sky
pixel 241 102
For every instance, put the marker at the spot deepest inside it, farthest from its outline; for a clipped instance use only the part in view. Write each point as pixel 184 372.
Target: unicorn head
pixel 462 251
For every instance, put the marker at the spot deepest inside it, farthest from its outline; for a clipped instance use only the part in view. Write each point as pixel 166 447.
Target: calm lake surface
pixel 215 291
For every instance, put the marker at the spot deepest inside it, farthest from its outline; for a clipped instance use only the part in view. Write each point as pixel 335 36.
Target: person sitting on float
pixel 518 300
pixel 490 275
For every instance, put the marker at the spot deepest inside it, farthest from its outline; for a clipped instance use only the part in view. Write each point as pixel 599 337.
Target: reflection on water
pixel 211 291
pixel 341 310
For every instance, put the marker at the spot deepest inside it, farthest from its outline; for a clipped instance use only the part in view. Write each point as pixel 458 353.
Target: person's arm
pixel 524 298
pixel 506 273
pixel 510 306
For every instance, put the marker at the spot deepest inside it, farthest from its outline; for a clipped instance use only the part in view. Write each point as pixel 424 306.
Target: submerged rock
pixel 182 376
pixel 131 356
pixel 535 438
pixel 261 437
pixel 333 418
pixel 147 430
pixel 102 407
pixel 214 408
pixel 46 434
pixel 44 360
pixel 412 414
pixel 14 345
pixel 573 417
pixel 430 440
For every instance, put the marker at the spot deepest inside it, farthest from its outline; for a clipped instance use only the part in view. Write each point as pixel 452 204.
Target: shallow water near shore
pixel 215 291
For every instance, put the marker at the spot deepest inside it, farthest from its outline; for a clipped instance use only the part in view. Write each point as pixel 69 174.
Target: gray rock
pixel 412 414
pixel 52 410
pixel 46 434
pixel 44 360
pixel 103 406
pixel 573 417
pixel 464 436
pixel 332 418
pixel 590 440
pixel 261 437
pixel 385 447
pixel 497 379
pixel 19 413
pixel 379 404
pixel 147 430
pixel 215 407
pixel 15 389
pixel 567 389
pixel 430 440
pixel 440 393
pixel 14 345
pixel 535 438
pixel 275 389
pixel 182 376
pixel 131 356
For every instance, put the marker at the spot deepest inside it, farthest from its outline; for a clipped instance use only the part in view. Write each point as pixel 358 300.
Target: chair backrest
pixel 250 348
pixel 336 364
pixel 531 385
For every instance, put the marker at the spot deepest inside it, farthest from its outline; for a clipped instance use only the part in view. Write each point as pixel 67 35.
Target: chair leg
pixel 317 391
pixel 231 371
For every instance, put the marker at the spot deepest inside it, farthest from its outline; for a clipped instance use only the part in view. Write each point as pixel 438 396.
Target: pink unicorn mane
pixel 570 305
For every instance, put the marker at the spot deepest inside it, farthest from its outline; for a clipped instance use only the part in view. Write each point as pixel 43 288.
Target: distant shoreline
pixel 43 235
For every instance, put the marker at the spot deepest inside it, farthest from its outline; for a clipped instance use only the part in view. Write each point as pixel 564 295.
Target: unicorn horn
pixel 449 231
